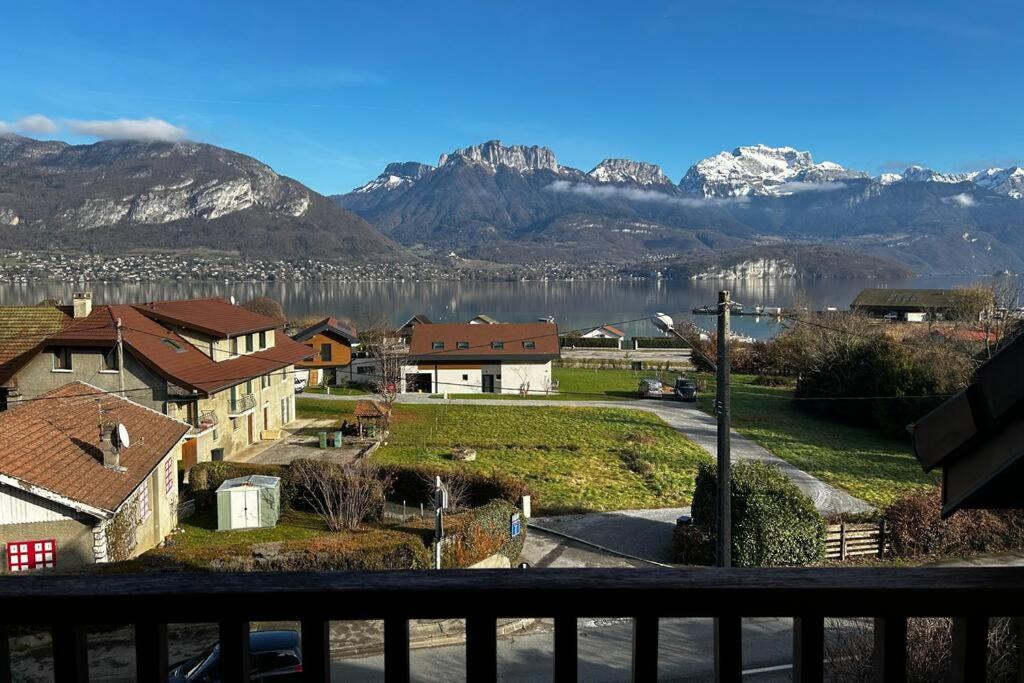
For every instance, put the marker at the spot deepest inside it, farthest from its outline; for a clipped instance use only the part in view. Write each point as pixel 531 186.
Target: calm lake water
pixel 573 304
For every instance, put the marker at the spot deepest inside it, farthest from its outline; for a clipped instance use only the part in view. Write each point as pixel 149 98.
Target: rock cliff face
pixel 493 154
pixel 124 194
pixel 753 269
pixel 629 171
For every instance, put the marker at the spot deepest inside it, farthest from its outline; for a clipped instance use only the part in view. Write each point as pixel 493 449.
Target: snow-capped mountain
pixel 493 154
pixel 889 178
pixel 628 171
pixel 395 175
pixel 761 171
pixel 921 174
pixel 1008 181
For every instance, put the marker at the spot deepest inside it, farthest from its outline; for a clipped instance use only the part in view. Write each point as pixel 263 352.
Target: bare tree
pixel 264 305
pixel 456 484
pixel 390 356
pixel 342 495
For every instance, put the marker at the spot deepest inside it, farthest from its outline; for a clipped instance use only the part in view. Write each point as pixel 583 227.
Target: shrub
pixel 915 527
pixel 412 483
pixel 479 533
pixel 773 522
pixel 692 544
pixel 373 549
pixel 660 343
pixel 344 496
pixel 589 342
pixel 206 477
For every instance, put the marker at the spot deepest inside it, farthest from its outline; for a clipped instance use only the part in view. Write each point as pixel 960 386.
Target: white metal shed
pixel 249 502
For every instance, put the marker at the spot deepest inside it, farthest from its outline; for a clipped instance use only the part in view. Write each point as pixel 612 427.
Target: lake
pixel 574 304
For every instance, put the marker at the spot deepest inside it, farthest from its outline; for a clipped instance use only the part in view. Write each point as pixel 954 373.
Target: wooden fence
pixel 851 540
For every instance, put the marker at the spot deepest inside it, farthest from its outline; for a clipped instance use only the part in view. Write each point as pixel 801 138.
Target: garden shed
pixel 249 502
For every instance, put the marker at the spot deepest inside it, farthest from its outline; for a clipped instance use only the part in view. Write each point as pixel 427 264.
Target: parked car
pixel 300 385
pixel 651 388
pixel 685 389
pixel 276 658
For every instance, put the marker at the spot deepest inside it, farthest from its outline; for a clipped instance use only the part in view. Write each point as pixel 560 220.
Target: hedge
pixel 589 342
pixel 481 532
pixel 371 549
pixel 659 343
pixel 206 477
pixel 773 521
pixel 411 483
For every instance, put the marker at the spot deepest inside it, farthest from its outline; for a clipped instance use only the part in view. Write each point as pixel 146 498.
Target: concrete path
pixel 697 425
pixel 646 534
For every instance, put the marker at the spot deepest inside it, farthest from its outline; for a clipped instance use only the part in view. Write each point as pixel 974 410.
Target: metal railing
pixel 241 404
pixel 207 419
pixel 150 601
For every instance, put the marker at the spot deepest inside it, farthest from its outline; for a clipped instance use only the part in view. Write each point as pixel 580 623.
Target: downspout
pixel 120 359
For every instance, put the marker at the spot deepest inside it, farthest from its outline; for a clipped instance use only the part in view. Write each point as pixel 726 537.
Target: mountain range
pixel 516 203
pixel 116 195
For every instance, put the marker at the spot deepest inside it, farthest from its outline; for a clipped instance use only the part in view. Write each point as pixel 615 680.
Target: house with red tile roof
pixel 226 371
pixel 22 332
pixel 605 331
pixel 85 476
pixel 498 358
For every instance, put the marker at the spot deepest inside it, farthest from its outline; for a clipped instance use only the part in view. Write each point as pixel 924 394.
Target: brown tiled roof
pixel 214 316
pixel 613 330
pixel 480 338
pixel 332 326
pixel 22 331
pixel 53 442
pixel 370 409
pixel 170 355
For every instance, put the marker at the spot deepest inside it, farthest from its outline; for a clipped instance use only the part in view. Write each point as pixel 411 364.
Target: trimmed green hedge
pixel 481 532
pixel 410 483
pixel 589 342
pixel 660 343
pixel 773 522
pixel 206 477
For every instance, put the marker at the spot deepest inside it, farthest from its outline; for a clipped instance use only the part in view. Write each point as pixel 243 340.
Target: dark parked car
pixel 685 389
pixel 276 658
pixel 650 388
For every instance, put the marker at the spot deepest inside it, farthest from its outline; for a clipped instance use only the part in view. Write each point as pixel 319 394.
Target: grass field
pixel 200 530
pixel 586 384
pixel 575 459
pixel 870 465
pixel 337 391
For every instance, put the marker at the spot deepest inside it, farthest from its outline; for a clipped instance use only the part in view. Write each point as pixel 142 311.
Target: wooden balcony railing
pixel 67 604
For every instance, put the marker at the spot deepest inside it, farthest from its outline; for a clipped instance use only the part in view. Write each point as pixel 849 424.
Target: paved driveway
pixel 644 534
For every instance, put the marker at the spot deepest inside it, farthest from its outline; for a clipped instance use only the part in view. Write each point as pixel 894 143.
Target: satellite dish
pixel 123 441
pixel 662 321
pixel 232 299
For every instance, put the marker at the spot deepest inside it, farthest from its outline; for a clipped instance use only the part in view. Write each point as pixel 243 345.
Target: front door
pixel 266 417
pixel 251 426
pixel 488 384
pixel 252 508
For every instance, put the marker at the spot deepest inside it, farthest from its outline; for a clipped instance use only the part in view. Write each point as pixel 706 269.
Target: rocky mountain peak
pixel 921 174
pixel 395 175
pixel 494 154
pixel 629 171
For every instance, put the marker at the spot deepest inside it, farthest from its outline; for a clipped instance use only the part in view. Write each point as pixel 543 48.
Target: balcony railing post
pixel 150 651
pixel 481 649
pixel 234 650
pixel 890 655
pixel 5 656
pixel 728 650
pixel 70 654
pixel 970 649
pixel 645 648
pixel 396 650
pixel 316 650
pixel 566 655
pixel 808 649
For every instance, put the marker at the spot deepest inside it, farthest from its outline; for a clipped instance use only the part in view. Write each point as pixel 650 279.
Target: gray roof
pixel 923 299
pixel 257 480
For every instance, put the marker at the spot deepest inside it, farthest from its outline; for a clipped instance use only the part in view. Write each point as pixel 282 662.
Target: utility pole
pixel 439 504
pixel 722 411
pixel 120 359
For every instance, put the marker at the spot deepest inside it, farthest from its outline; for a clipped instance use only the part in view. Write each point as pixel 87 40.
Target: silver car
pixel 651 388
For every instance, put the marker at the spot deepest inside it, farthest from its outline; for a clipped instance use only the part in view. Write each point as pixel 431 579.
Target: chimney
pixel 111 453
pixel 82 304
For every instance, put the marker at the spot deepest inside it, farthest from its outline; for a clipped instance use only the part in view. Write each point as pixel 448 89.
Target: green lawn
pixel 870 465
pixel 200 530
pixel 575 459
pixel 585 384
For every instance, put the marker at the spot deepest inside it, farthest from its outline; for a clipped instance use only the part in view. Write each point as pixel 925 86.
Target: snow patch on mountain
pixel 396 175
pixel 493 154
pixel 1008 181
pixel 921 174
pixel 629 171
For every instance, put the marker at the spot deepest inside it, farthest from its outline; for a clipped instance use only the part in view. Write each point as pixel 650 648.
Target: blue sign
pixel 515 527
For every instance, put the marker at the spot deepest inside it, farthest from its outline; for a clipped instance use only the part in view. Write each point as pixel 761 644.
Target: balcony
pixel 205 421
pixel 67 604
pixel 237 406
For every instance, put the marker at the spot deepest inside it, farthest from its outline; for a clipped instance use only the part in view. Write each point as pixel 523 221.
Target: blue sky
pixel 330 92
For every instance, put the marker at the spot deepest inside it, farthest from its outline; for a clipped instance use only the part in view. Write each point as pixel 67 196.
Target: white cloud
pixel 31 125
pixel 796 187
pixel 962 199
pixel 635 194
pixel 129 129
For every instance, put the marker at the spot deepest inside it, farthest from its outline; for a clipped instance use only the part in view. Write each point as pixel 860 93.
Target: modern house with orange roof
pixel 225 370
pixel 75 491
pixel 331 341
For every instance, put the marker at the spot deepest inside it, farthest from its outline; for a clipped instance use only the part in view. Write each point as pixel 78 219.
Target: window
pixel 248 343
pixel 108 361
pixel 465 378
pixel 62 358
pixel 248 386
pixel 144 507
pixel 437 346
pixel 234 346
pixel 325 352
pixel 497 345
pixel 234 424
pixel 364 369
pixel 265 382
pixel 529 345
pixel 178 348
pixel 169 475
pixel 24 555
pixel 263 340
pixel 216 434
pixel 462 345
